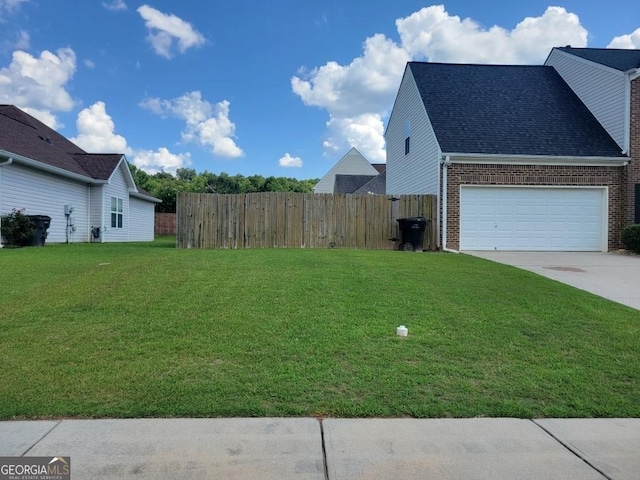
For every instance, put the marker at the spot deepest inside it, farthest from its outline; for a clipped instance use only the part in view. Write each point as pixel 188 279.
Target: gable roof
pixel 508 110
pixel 616 58
pixel 98 165
pixel 353 163
pixel 350 183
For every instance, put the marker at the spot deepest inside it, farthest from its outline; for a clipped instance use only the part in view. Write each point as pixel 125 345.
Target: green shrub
pixel 631 237
pixel 17 228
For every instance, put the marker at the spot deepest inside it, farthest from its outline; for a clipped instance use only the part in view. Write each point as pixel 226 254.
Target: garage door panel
pixel 531 218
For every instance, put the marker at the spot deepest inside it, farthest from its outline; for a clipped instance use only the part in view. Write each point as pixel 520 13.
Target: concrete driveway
pixel 609 275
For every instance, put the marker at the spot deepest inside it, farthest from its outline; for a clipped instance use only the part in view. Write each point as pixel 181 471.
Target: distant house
pixel 351 183
pixel 89 197
pixel 353 163
pixel 543 157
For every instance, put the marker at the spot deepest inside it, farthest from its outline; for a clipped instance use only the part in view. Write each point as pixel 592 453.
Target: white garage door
pixel 534 219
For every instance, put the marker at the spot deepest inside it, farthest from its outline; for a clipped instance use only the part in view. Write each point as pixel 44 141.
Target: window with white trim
pixel 116 212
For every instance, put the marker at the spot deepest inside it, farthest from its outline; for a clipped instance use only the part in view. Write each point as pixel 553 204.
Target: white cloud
pixel 289 161
pixel 96 131
pixel 96 134
pixel 115 5
pixel 630 41
pixel 431 33
pixel 38 83
pixel 45 116
pixel 364 132
pixel 89 63
pixel 23 41
pixel 206 124
pixel 359 96
pixel 160 160
pixel 7 6
pixel 165 28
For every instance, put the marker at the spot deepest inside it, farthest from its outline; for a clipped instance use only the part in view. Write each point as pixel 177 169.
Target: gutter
pixel 48 168
pixel 8 161
pixel 485 158
pixel 630 75
pixel 446 161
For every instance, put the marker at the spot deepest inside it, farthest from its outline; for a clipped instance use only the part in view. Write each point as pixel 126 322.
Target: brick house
pixel 543 157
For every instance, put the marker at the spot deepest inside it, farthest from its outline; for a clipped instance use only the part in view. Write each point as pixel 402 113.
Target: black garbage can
pixel 412 233
pixel 41 222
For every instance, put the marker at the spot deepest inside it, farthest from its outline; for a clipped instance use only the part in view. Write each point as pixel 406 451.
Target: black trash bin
pixel 412 233
pixel 41 222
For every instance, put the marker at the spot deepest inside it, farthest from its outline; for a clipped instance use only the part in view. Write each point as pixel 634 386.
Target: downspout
pixel 446 161
pixel 627 115
pixel 8 161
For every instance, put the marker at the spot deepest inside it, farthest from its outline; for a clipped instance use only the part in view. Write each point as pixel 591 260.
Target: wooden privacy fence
pixel 299 220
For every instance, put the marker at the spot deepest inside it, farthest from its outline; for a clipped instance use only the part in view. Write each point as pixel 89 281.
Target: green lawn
pixel 142 330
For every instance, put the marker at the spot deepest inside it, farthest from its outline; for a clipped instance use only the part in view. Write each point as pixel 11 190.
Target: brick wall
pixel 165 224
pixel 633 170
pixel 468 174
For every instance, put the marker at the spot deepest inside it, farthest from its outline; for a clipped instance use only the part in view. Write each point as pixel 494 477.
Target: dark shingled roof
pixel 380 167
pixel 620 59
pixel 24 135
pixel 98 165
pixel 350 183
pixel 508 110
pixel 377 185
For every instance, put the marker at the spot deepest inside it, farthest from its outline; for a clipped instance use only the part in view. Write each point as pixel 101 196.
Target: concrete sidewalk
pixel 308 448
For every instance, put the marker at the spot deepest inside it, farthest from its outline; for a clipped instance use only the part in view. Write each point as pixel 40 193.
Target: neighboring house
pixel 377 185
pixel 353 163
pixel 522 157
pixel 43 173
pixel 351 183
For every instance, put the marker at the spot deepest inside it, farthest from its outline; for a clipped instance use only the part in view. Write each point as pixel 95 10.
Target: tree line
pixel 164 186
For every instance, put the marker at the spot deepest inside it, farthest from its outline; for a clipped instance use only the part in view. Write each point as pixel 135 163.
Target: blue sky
pixel 280 88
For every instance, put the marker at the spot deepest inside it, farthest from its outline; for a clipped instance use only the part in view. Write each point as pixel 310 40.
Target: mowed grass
pixel 147 330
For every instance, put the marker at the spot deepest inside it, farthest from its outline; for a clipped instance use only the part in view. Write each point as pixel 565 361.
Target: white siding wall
pixel 40 193
pixel 417 172
pixel 601 89
pixel 117 187
pixel 141 220
pixel 353 163
pixel 96 216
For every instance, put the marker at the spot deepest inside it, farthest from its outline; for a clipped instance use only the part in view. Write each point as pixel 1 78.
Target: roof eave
pixel 50 169
pixel 502 159
pixel 144 197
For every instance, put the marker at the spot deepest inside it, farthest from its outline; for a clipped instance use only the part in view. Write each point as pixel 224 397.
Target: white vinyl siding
pixel 117 187
pixel 41 193
pixel 141 220
pixel 601 89
pixel 415 172
pixel 533 219
pixel 353 163
pixel 96 218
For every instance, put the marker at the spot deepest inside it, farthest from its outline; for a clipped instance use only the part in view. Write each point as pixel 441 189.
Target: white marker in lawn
pixel 402 331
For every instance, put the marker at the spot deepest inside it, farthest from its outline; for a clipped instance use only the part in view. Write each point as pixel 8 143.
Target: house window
pixel 116 212
pixel 407 137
